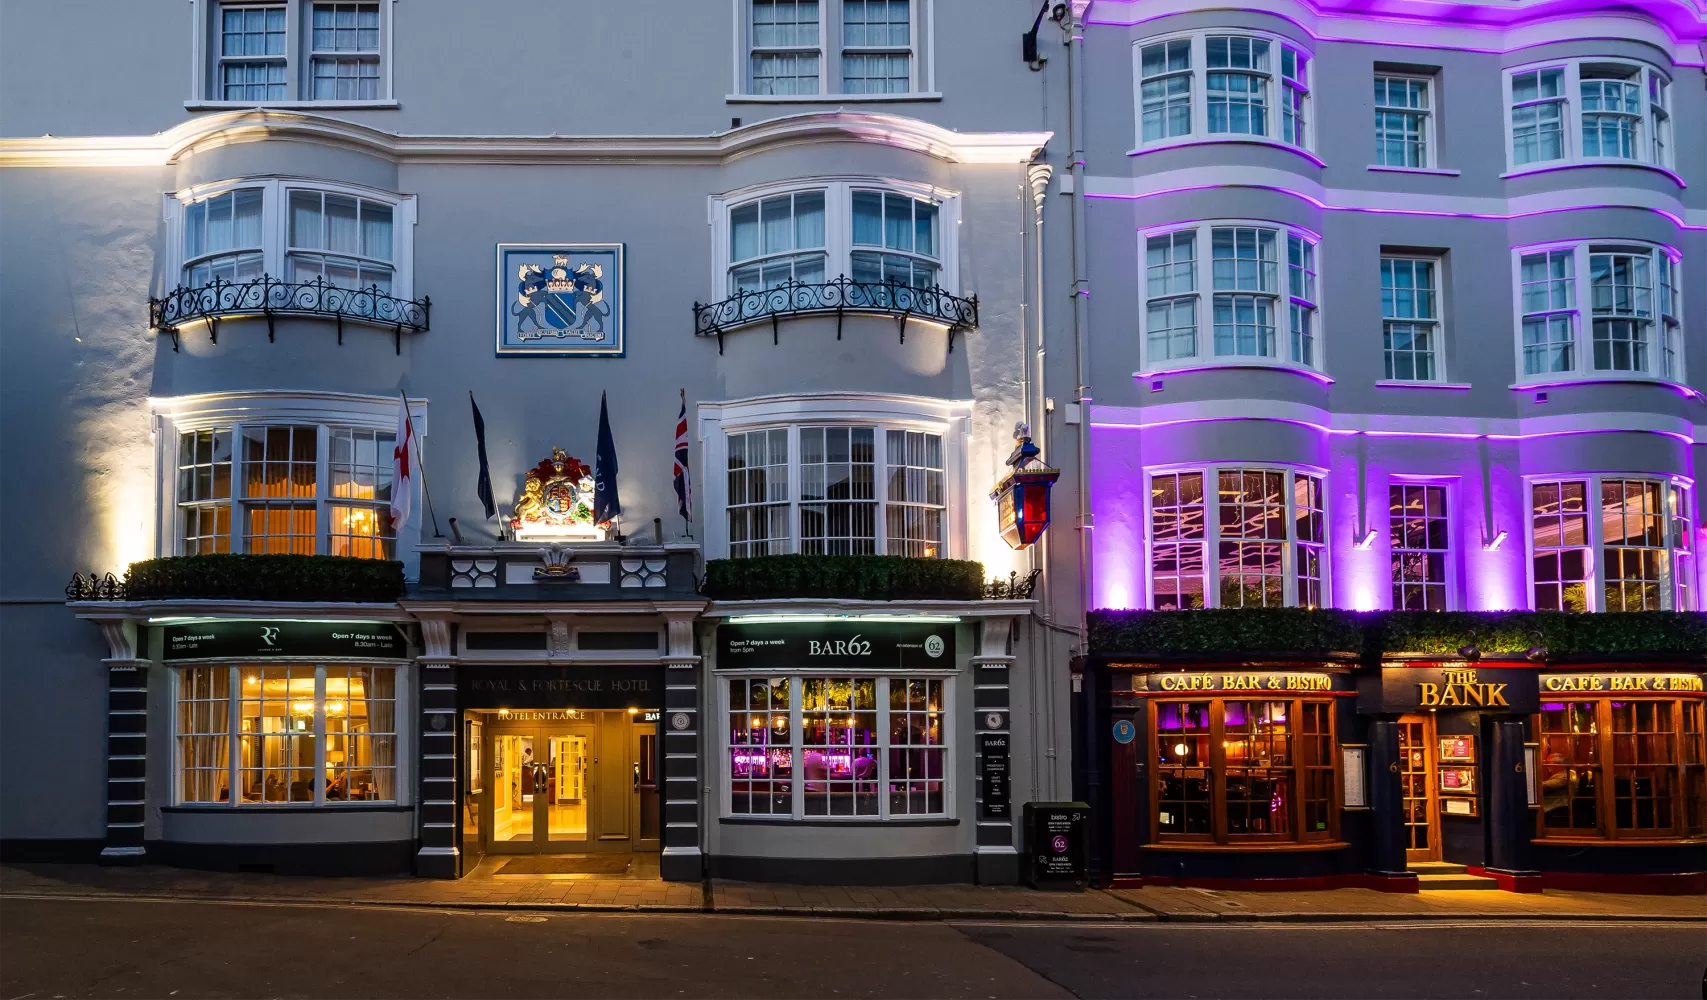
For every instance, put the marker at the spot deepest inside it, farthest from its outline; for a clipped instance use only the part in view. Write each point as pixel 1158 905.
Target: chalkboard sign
pixel 993 769
pixel 1055 844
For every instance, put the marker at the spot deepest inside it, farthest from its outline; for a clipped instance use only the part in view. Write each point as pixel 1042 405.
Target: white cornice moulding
pixel 1510 428
pixel 224 128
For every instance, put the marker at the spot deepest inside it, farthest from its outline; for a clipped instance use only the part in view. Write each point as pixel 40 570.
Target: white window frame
pixel 1212 528
pixel 1439 354
pixel 795 677
pixel 402 707
pixel 1205 293
pixel 275 224
pixel 831 52
pixel 206 88
pixel 1199 130
pixel 838 224
pixel 1454 551
pixel 949 418
pixel 1426 133
pixel 1596 543
pixel 1668 340
pixel 1571 116
pixel 177 415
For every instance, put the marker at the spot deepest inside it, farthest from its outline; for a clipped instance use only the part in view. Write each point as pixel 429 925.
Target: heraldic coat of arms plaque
pixel 557 502
pixel 560 299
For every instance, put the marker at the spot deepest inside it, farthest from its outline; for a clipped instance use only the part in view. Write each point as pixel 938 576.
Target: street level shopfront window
pixel 1641 533
pixel 1622 769
pixel 286 735
pixel 825 747
pixel 1234 770
pixel 1260 544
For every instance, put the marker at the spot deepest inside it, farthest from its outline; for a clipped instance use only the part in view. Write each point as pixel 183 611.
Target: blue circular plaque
pixel 1124 731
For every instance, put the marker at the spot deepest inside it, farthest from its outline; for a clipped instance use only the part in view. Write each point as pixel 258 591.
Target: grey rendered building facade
pixel 390 146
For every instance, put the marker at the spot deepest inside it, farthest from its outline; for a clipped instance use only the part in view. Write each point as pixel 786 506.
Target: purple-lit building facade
pixel 1391 305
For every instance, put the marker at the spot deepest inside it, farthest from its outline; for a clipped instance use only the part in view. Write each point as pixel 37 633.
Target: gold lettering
pixel 1450 695
pixel 1430 694
pixel 1475 694
pixel 1496 695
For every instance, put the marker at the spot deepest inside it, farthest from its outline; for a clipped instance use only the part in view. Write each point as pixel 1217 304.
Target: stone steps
pixel 1446 875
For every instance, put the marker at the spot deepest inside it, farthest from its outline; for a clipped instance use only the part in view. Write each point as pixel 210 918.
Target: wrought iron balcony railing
pixel 269 297
pixel 837 298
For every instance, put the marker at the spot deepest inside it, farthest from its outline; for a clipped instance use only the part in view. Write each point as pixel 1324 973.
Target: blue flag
pixel 606 504
pixel 484 488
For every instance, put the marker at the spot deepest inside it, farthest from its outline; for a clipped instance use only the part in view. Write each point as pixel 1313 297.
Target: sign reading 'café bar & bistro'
pixel 885 645
pixel 256 639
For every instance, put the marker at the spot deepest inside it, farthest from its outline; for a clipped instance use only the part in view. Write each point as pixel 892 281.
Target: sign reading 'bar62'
pixel 255 639
pixel 885 645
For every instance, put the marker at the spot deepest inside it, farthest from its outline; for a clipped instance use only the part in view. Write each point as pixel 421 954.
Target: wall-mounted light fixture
pixel 1493 544
pixel 1022 499
pixel 1367 540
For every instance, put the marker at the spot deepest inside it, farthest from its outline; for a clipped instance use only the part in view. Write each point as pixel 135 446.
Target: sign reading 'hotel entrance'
pixel 885 645
pixel 254 639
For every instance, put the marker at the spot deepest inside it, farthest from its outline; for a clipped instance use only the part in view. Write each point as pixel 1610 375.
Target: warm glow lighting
pixel 634 711
pixel 334 708
pixel 786 619
pixel 302 707
pixel 1179 748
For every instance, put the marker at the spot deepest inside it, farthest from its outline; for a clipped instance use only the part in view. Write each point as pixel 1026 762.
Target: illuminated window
pixel 916 499
pixel 1265 528
pixel 1629 768
pixel 1250 86
pixel 818 747
pixel 1589 110
pixel 1632 554
pixel 1231 771
pixel 290 485
pixel 301 734
pixel 288 52
pixel 1420 536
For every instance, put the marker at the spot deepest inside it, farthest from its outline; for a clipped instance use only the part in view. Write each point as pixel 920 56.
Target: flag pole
pixel 420 463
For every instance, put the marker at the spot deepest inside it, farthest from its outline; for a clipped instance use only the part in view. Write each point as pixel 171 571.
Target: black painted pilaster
pixel 680 722
pixel 992 714
pixel 127 761
pixel 1508 820
pixel 440 853
pixel 1386 798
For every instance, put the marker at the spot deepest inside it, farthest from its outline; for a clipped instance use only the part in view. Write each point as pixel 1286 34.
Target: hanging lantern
pixel 1022 499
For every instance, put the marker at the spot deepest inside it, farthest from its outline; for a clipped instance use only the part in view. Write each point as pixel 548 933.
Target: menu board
pixel 1458 780
pixel 1458 749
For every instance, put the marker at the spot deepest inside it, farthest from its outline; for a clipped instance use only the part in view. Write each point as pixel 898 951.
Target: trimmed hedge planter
pixel 859 578
pixel 237 577
pixel 1373 634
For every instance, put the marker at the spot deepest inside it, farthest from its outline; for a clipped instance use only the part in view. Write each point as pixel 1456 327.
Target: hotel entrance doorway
pixel 567 781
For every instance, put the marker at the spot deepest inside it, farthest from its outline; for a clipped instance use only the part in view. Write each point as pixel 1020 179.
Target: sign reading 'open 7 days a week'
pixel 281 639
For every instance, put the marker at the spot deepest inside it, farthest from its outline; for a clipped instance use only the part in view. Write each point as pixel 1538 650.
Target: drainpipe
pixel 1075 41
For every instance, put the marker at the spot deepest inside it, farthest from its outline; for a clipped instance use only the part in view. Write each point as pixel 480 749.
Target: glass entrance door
pixel 540 787
pixel 1416 773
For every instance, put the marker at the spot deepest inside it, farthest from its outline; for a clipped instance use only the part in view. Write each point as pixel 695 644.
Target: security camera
pixel 1058 13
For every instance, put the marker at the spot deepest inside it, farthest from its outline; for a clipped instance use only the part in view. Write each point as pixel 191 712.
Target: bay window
pixel 1249 85
pixel 1589 111
pixel 871 235
pixel 248 483
pixel 836 490
pixel 1238 771
pixel 344 236
pixel 1627 555
pixel 1633 327
pixel 1260 543
pixel 298 734
pixel 816 747
pixel 1628 769
pixel 1247 299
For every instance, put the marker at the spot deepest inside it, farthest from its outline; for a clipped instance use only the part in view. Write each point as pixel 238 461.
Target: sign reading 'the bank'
pixel 886 645
pixel 256 639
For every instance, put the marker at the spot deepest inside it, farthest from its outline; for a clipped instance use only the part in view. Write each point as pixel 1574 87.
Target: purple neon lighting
pixel 1311 373
pixel 1554 167
pixel 1675 219
pixel 1682 390
pixel 1682 26
pixel 1438 435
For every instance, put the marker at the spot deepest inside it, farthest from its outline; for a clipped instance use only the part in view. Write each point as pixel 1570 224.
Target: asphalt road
pixel 73 948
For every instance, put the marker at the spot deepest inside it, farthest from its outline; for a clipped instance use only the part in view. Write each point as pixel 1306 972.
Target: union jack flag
pixel 684 479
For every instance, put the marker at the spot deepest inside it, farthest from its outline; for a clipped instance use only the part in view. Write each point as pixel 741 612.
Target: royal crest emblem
pixel 557 502
pixel 560 298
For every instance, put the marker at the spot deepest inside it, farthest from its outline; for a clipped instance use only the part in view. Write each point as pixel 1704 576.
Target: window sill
pixel 1242 140
pixel 849 822
pixel 1394 383
pixel 1619 842
pixel 291 105
pixel 1688 392
pixel 1310 373
pixel 1437 171
pixel 830 98
pixel 285 807
pixel 1290 846
pixel 1546 168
